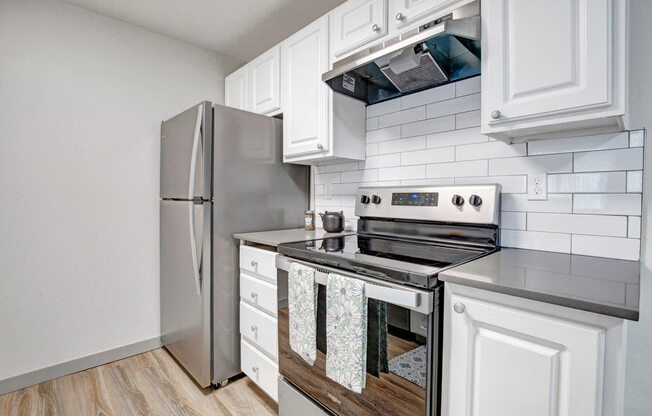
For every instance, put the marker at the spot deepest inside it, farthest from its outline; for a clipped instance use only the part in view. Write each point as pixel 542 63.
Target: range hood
pixel 442 51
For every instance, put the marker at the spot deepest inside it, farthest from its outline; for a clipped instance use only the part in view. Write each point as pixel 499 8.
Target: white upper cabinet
pixel 305 96
pixel 235 89
pixel 264 82
pixel 507 356
pixel 356 23
pixel 550 66
pixel 403 13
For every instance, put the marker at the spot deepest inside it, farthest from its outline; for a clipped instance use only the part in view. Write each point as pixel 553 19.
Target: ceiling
pixel 238 28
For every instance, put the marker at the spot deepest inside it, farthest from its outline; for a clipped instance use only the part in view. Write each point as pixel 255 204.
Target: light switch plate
pixel 537 186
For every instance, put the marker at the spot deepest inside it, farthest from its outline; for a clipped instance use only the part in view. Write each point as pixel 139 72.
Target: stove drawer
pixel 259 293
pixel 258 261
pixel 260 369
pixel 259 328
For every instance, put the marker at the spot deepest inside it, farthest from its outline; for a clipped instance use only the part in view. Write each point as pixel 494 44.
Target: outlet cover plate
pixel 537 186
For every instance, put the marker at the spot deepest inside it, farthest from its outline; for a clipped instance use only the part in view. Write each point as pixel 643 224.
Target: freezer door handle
pixel 193 153
pixel 196 261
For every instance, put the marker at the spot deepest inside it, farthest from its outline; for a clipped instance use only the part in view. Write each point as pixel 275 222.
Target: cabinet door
pixel 305 96
pixel 532 68
pixel 355 23
pixel 264 82
pixel 405 12
pixel 506 361
pixel 235 89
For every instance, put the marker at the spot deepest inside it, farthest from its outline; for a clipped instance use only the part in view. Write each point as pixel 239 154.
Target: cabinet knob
pixel 254 369
pixel 254 294
pixel 320 146
pixel 399 16
pixel 254 328
pixel 254 263
pixel 459 307
pixel 495 114
pixel 375 28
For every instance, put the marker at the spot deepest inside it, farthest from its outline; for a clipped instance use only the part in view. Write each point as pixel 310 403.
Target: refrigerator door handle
pixel 193 154
pixel 193 248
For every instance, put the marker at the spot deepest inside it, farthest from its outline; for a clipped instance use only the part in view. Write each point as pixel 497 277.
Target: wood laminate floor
pixel 146 384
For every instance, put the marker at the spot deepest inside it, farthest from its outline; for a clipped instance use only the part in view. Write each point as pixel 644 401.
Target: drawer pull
pixel 254 263
pixel 254 328
pixel 254 369
pixel 459 307
pixel 254 294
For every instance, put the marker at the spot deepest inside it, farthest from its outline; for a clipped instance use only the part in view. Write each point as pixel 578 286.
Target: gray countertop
pixel 274 238
pixel 595 284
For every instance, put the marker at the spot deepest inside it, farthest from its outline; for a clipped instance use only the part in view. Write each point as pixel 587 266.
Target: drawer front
pixel 259 293
pixel 258 261
pixel 260 369
pixel 259 328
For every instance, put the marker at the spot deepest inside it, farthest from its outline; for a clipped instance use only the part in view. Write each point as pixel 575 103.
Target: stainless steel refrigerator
pixel 221 173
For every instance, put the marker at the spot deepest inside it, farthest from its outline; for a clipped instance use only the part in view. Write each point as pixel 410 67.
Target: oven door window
pixel 400 363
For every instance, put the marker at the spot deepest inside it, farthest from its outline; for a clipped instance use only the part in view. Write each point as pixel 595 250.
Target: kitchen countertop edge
pixel 275 237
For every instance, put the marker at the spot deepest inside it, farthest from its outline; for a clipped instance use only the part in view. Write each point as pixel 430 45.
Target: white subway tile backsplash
pixel 402 145
pixel 636 138
pixel 402 117
pixel 467 86
pixel 634 227
pixel 466 120
pixel 433 137
pixel 389 133
pixel 635 181
pixel 510 184
pixel 607 204
pixel 606 225
pixel 619 248
pixel 433 95
pixel 456 138
pixel 531 164
pixel 433 125
pixel 385 107
pixel 513 220
pixel 453 106
pixel 421 157
pixel 587 182
pixel 489 150
pixel 555 203
pixel 393 159
pixel 457 169
pixel 404 172
pixel 578 144
pixel 622 159
pixel 535 240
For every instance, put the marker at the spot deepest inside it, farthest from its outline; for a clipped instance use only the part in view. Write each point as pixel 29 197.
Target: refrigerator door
pixel 254 191
pixel 186 154
pixel 186 285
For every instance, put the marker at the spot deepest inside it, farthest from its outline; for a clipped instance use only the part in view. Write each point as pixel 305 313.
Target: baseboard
pixel 79 364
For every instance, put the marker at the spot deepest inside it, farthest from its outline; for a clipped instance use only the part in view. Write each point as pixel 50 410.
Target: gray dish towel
pixel 346 331
pixel 302 304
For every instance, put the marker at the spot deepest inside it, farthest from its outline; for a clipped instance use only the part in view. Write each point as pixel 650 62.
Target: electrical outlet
pixel 537 186
pixel 328 191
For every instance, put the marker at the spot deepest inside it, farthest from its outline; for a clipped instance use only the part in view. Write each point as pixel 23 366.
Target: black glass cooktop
pixel 405 261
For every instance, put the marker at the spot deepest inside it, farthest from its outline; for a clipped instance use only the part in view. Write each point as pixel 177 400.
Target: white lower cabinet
pixel 258 323
pixel 508 356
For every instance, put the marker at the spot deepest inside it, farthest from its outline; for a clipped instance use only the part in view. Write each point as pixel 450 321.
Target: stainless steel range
pixel 405 237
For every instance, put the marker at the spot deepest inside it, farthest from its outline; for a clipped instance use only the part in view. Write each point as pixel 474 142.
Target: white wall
pixel 433 137
pixel 639 340
pixel 81 101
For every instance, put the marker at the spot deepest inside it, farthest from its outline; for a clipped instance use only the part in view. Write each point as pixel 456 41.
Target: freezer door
pixel 186 153
pixel 186 285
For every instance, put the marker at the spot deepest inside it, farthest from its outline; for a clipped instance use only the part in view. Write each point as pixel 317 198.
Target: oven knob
pixel 364 199
pixel 375 199
pixel 475 201
pixel 457 200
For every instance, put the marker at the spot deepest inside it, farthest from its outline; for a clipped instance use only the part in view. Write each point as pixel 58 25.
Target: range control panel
pixel 421 199
pixel 473 204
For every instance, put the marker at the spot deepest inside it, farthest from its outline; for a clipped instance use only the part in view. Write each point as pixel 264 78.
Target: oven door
pixel 403 371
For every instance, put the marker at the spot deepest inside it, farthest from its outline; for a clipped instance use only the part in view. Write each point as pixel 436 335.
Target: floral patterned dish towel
pixel 302 303
pixel 346 331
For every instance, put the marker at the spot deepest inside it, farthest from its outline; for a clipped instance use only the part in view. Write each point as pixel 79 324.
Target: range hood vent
pixel 442 51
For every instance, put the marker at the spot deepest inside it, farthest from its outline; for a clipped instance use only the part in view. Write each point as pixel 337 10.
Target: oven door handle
pixel 407 297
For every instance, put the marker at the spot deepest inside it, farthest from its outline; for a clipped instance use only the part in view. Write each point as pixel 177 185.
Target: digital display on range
pixel 421 199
